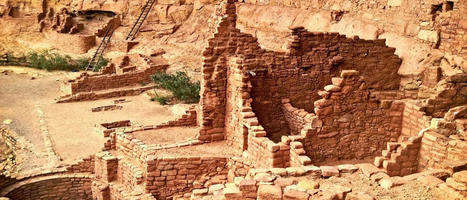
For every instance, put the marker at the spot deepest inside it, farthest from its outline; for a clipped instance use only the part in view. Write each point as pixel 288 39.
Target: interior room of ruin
pixel 233 99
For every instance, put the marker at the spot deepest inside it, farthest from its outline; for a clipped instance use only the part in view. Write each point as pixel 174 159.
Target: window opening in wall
pixel 14 12
pixel 436 8
pixel 449 5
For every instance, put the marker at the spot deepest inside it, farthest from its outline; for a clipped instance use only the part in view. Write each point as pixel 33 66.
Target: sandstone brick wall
pixel 349 124
pixel 238 167
pixel 84 166
pixel 414 119
pixel 106 167
pixel 88 96
pixel 169 176
pixel 439 151
pixel 297 75
pixel 54 188
pixel 452 28
pixel 264 153
pixel 400 158
pixel 106 81
pixel 235 130
pixel 296 118
pixel 108 131
pixel 130 174
pixel 131 147
pixel 376 62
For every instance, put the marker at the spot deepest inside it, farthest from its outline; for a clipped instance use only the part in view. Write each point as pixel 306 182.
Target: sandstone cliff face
pixel 415 28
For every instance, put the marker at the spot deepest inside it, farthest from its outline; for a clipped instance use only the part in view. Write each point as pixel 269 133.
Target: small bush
pixel 180 85
pixel 161 100
pixel 82 63
pixel 53 61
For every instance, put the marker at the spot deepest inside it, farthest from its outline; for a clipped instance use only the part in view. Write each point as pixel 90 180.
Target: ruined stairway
pixel 400 158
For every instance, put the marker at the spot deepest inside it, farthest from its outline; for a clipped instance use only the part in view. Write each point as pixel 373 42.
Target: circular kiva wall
pixel 52 187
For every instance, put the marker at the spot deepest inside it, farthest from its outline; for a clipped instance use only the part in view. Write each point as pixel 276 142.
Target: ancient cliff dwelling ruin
pixel 233 99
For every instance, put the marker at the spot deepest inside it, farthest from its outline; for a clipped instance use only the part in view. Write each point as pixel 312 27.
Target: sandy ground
pixel 70 126
pixel 167 135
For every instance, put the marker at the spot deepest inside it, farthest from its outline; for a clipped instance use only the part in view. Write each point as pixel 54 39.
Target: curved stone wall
pixel 73 186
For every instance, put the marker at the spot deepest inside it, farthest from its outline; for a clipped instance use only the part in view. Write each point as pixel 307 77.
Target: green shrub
pixel 161 100
pixel 82 63
pixel 53 61
pixel 180 85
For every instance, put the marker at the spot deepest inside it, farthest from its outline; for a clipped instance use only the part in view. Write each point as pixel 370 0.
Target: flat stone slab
pixel 460 176
pixel 456 185
pixel 368 169
pixel 358 196
pixel 269 192
pixel 328 171
pixel 347 168
pixel 431 181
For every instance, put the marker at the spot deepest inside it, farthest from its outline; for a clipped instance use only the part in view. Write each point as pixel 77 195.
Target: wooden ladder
pixel 100 50
pixel 139 22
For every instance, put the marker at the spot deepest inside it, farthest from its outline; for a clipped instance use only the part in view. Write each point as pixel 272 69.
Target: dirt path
pixel 64 133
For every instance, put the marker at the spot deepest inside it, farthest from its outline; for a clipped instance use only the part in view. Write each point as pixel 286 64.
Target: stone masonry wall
pixel 442 145
pixel 58 188
pixel 414 119
pixel 349 124
pixel 400 158
pixel 170 176
pixel 102 82
pixel 296 118
pixel 296 75
pixel 236 131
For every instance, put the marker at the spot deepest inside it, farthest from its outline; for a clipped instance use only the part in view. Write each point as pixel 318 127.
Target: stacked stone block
pixel 170 176
pixel 347 120
pixel 56 187
pixel 109 81
pixel 438 150
pixel 272 76
pixel 400 158
pixel 84 166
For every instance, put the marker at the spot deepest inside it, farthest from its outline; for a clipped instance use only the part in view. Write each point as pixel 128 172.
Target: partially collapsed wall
pixel 328 98
pixel 312 59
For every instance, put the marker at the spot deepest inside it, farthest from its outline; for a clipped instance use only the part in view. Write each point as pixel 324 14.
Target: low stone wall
pixel 238 167
pixel 84 166
pixel 109 81
pixel 88 96
pixel 170 176
pixel 440 151
pixel 296 118
pixel 265 153
pixel 346 123
pixel 76 186
pixel 400 158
